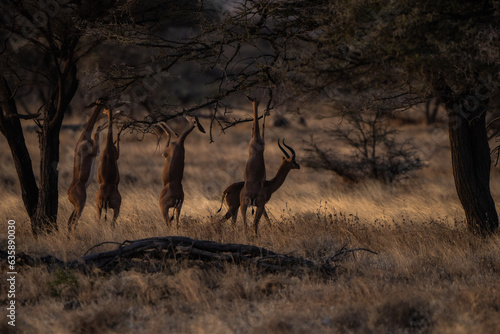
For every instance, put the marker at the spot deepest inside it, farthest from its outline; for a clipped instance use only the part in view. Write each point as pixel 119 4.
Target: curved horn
pixel 162 125
pixel 283 150
pixel 168 130
pixel 165 128
pixel 288 147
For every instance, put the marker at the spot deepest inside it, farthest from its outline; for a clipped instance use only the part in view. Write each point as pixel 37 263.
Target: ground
pixel 430 275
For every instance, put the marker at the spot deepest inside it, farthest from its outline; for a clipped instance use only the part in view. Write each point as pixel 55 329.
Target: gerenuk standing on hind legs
pixel 172 194
pixel 253 193
pixel 108 196
pixel 86 151
pixel 232 193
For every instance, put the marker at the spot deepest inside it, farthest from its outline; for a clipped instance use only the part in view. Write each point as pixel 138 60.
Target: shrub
pixel 374 151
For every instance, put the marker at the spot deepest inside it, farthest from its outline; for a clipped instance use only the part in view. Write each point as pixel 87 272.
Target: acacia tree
pixel 43 44
pixel 40 47
pixel 411 50
pixel 449 50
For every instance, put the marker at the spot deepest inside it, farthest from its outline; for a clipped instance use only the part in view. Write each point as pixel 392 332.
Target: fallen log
pixel 176 247
pixel 172 246
pixel 127 253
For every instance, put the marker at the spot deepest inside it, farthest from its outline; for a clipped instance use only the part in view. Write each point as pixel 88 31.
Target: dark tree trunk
pixel 471 160
pixel 11 128
pixel 45 219
pixel 41 202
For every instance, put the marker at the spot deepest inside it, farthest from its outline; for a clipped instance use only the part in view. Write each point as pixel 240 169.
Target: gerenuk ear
pixel 198 124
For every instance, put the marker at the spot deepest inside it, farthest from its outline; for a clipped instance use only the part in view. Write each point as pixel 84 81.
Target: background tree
pixel 447 50
pixel 373 150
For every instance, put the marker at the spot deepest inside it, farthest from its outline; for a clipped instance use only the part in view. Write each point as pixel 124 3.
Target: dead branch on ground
pixel 133 253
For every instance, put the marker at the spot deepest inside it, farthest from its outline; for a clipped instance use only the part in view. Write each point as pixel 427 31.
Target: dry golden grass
pixel 430 274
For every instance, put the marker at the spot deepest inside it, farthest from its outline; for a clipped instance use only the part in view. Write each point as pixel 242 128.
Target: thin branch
pixel 100 244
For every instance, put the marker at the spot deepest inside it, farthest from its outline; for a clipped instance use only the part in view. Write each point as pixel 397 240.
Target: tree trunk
pixel 24 167
pixel 41 202
pixel 11 128
pixel 45 219
pixel 471 161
